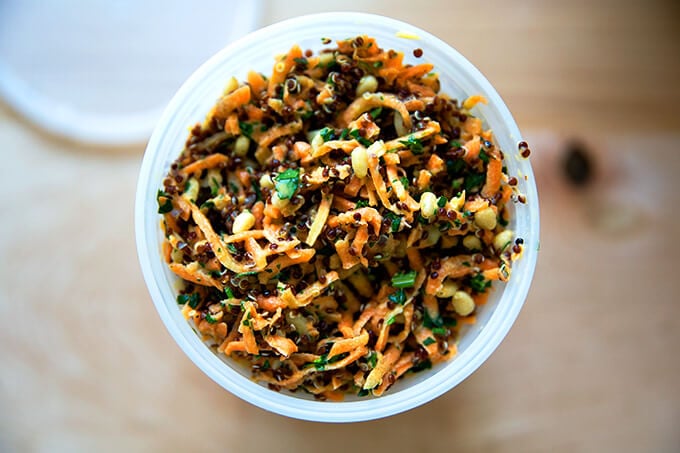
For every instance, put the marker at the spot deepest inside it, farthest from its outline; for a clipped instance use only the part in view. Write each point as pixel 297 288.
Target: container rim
pixel 433 386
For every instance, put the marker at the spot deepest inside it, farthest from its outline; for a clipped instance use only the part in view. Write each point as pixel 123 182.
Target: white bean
pixel 428 204
pixel 472 242
pixel 463 303
pixel 241 146
pixel 486 218
pixel 360 161
pixel 503 240
pixel 243 222
pixel 367 84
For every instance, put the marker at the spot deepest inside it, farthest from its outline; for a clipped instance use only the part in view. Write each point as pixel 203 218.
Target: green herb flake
pixel 483 156
pixel 362 392
pixel 404 181
pixel 210 319
pixel 432 323
pixel 376 112
pixel 229 293
pixel 450 322
pixel 246 274
pixel 287 183
pixel 256 189
pixel 424 365
pixel 398 297
pixel 302 62
pixel 357 136
pixel 320 363
pixel 372 359
pixel 474 181
pixel 246 128
pixel 361 204
pixel 207 205
pixel 479 283
pixel 378 64
pixel 396 221
pixel 214 186
pixel 428 341
pixel 191 299
pixel 414 144
pixel 441 202
pixel 265 365
pixel 327 134
pixel 163 206
pixel 455 166
pixel 391 320
pixel 405 280
pixel 439 331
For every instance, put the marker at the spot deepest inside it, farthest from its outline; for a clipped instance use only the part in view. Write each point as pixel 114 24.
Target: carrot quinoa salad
pixel 337 222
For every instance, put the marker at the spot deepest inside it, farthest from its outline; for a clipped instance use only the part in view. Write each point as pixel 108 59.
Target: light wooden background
pixel 592 364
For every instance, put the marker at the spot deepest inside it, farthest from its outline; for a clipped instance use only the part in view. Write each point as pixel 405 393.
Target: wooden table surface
pixel 592 363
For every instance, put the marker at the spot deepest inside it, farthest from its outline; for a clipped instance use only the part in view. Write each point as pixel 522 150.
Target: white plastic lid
pixel 102 72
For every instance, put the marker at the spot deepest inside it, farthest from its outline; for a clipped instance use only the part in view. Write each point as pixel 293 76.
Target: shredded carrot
pixel 232 101
pixel 211 161
pixel 282 68
pixel 493 178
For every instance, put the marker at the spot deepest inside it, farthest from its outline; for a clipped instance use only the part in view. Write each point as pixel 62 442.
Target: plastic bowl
pixel 459 79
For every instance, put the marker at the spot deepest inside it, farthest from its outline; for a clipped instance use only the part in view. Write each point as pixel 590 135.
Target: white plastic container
pixel 459 79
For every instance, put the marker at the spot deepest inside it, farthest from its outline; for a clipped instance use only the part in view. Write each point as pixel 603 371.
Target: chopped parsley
pixel 246 128
pixel 428 341
pixel 210 319
pixel 473 181
pixel 229 293
pixel 361 204
pixel 398 297
pixel 265 365
pixel 232 248
pixel 357 136
pixel 320 363
pixel 479 283
pixel 343 134
pixel 165 206
pixel 432 323
pixel 424 365
pixel 441 202
pixel 405 280
pixel 287 183
pixel 439 330
pixel 362 392
pixel 327 134
pixel 376 112
pixel 256 189
pixel 454 167
pixel 214 186
pixel 414 144
pixel 246 274
pixel 391 320
pixel 372 359
pixel 404 181
pixel 395 219
pixel 483 156
pixel 302 62
pixel 191 299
